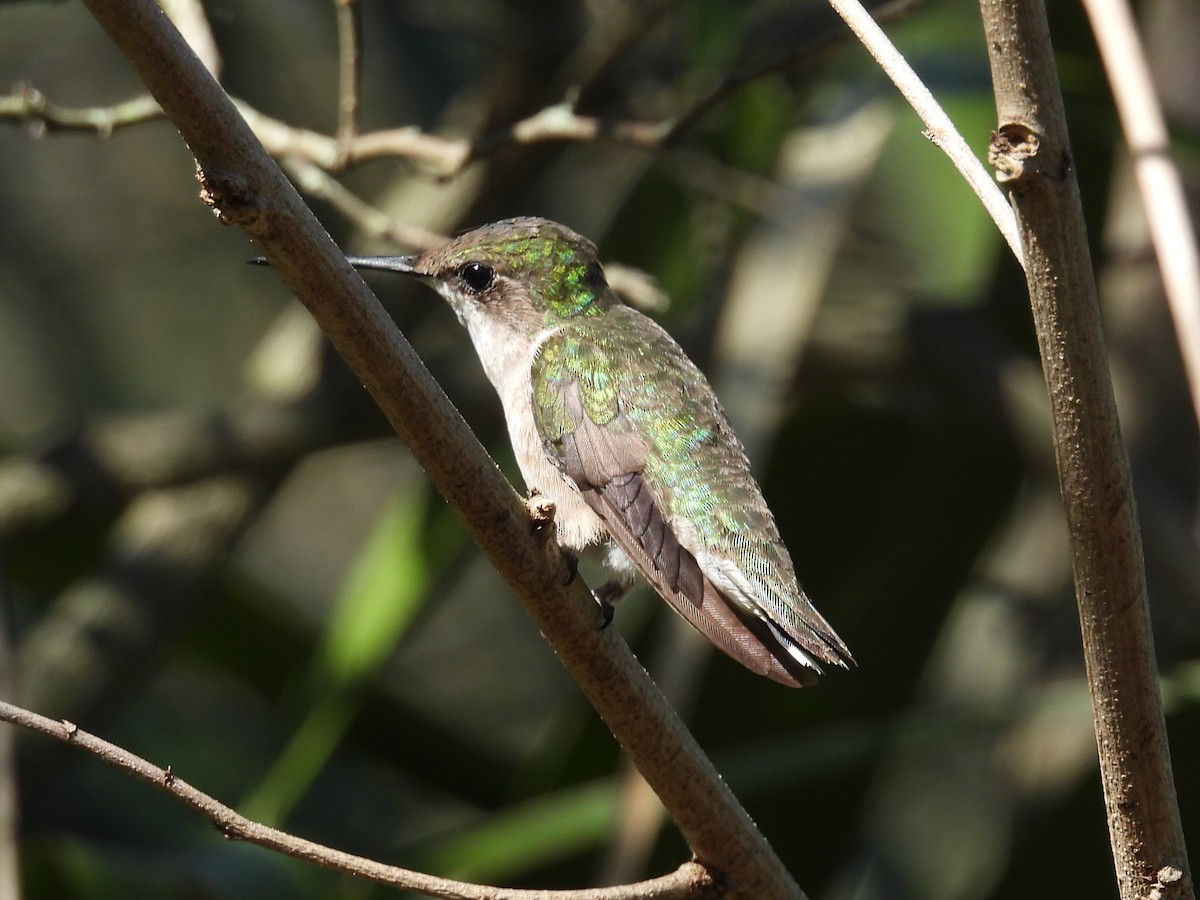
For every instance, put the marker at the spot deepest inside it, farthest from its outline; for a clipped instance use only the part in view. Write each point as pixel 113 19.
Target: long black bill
pixel 406 265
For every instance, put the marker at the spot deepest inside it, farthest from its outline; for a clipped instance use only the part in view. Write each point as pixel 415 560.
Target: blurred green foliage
pixel 270 598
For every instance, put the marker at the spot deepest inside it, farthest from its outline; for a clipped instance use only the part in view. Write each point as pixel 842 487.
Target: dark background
pixel 269 596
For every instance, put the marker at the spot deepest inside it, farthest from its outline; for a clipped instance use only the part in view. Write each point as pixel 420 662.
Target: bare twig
pixel 441 156
pixel 370 221
pixel 307 151
pixel 561 123
pixel 1032 153
pixel 243 184
pixel 28 104
pixel 349 45
pixel 688 881
pixel 1157 176
pixel 939 128
pixel 444 157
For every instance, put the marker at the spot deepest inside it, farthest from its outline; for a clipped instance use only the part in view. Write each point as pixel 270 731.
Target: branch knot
pixel 232 200
pixel 1013 152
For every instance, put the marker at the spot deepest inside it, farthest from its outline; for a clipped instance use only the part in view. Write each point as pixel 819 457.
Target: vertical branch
pixel 1033 157
pixel 349 39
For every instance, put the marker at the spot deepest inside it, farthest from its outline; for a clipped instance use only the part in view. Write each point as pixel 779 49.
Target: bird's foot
pixel 606 595
pixel 606 613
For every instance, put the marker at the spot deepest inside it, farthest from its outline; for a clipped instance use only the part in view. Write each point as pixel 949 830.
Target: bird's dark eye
pixel 477 276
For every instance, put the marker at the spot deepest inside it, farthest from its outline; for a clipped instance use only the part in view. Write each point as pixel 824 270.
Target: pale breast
pixel 507 359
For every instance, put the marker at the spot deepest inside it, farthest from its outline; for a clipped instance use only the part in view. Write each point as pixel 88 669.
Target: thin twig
pixel 938 126
pixel 688 881
pixel 28 104
pixel 560 122
pixel 349 41
pixel 1159 183
pixel 444 157
pixel 368 220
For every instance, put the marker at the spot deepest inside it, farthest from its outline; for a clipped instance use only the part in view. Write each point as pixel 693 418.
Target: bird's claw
pixel 605 596
pixel 572 562
pixel 606 613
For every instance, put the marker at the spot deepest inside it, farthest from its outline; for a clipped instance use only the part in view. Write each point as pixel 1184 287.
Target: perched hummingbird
pixel 613 424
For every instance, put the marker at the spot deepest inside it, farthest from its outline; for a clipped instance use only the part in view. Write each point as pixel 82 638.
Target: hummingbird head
pixel 528 274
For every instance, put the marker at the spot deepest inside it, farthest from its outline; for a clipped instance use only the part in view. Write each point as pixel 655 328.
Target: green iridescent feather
pixel 694 465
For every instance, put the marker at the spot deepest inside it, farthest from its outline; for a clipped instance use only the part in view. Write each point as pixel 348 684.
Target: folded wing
pixel 652 454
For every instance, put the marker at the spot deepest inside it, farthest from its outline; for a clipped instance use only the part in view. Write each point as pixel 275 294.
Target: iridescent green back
pixel 633 376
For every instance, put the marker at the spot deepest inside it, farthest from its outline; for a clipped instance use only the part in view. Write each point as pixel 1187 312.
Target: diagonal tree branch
pixel 245 187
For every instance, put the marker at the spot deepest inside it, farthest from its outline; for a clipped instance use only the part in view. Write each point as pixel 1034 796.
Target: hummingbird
pixel 612 423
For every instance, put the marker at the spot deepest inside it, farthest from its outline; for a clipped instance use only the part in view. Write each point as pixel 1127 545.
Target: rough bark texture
pixel 1032 154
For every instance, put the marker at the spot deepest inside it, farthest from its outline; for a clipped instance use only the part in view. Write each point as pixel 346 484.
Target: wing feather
pixel 588 455
pixel 677 577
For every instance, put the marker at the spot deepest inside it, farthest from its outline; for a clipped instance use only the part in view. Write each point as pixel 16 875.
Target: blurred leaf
pixel 946 234
pixel 523 838
pixel 381 594
pixel 380 598
pixel 308 751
